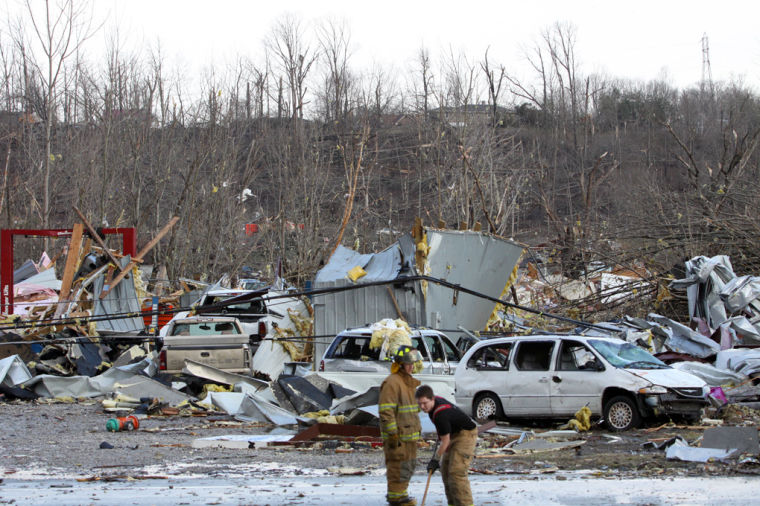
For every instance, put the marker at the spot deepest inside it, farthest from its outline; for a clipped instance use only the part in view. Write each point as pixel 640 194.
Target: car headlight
pixel 654 389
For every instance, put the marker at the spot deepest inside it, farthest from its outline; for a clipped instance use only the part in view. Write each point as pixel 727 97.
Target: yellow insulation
pixel 581 422
pixel 356 273
pixel 388 335
pixel 494 318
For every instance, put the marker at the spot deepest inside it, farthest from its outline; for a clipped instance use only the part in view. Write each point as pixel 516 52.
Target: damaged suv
pixel 555 376
pixel 350 352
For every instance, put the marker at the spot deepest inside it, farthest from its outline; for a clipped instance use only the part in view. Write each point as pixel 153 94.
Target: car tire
pixel 621 413
pixel 486 407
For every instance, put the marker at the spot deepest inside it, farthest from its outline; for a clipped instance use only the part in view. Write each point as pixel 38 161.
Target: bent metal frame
pixel 129 247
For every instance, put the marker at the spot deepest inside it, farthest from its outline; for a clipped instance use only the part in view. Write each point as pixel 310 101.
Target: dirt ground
pixel 40 439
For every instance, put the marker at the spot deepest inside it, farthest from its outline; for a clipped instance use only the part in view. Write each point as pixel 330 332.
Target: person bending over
pixel 457 435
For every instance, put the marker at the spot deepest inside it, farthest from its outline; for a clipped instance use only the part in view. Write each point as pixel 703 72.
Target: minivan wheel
pixel 486 407
pixel 621 413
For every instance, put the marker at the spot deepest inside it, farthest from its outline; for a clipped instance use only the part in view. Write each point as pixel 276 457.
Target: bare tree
pixel 294 57
pixel 426 78
pixel 335 45
pixel 60 29
pixel 494 86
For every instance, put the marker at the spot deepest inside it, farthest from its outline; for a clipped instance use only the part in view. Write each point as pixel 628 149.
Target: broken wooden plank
pixel 72 258
pixel 86 248
pixel 97 237
pixel 109 274
pixel 395 303
pixel 138 258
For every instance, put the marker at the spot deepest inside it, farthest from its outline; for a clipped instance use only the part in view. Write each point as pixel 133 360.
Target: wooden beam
pixel 395 303
pixel 86 248
pixel 139 256
pixel 97 237
pixel 72 259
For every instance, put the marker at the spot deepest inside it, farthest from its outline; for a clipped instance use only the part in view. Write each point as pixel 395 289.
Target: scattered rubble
pixel 93 335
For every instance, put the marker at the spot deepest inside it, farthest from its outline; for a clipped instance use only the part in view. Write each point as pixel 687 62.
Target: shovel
pixel 424 496
pixel 430 475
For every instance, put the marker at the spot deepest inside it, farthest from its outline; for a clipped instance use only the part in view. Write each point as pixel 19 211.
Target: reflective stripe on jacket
pixel 398 408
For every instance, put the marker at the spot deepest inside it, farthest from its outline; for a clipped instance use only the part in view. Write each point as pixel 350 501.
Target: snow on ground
pixel 368 490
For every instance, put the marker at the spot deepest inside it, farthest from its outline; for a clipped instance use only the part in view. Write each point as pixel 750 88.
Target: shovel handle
pixel 424 496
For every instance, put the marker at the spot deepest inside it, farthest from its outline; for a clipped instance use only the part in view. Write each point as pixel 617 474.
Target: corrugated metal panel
pixel 474 260
pixel 378 266
pixel 334 312
pixel 122 299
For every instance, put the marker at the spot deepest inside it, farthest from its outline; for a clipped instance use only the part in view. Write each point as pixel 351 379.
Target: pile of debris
pixel 720 346
pixel 138 388
pixel 99 312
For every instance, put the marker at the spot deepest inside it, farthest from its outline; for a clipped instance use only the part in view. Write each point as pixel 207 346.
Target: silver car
pixel 555 376
pixel 350 352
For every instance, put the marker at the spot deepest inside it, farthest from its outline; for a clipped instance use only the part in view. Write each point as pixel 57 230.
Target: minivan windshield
pixel 623 354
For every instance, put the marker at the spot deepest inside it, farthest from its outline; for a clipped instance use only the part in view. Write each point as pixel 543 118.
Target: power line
pixel 259 296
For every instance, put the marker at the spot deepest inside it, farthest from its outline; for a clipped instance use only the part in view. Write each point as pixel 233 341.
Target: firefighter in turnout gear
pixel 400 424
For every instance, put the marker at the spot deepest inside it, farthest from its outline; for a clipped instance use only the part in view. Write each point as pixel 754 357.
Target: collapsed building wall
pixel 474 260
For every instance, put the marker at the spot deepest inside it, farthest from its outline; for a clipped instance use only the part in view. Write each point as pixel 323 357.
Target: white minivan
pixel 554 376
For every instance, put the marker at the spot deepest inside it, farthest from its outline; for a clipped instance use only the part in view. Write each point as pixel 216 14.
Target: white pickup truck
pixel 215 341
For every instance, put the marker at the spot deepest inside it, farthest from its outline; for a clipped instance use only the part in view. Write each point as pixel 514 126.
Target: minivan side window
pixel 575 356
pixel 534 355
pixel 494 357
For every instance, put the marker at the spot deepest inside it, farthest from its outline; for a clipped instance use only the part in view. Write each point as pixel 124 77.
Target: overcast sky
pixel 640 40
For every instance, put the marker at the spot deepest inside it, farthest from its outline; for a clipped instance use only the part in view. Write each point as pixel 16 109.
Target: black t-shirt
pixel 449 419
